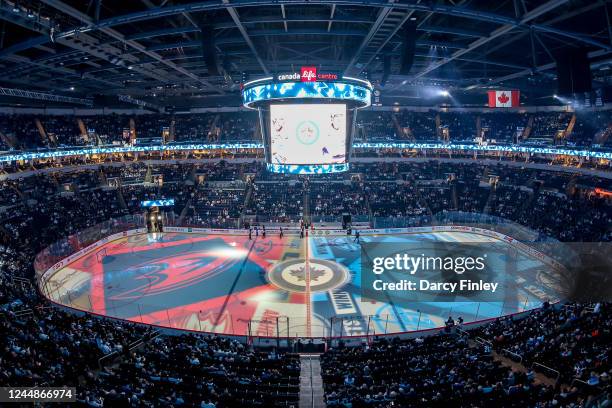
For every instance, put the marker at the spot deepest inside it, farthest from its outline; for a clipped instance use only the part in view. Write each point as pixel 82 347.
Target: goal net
pixel 100 255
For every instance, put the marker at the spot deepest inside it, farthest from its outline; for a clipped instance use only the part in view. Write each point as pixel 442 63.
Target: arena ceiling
pixel 152 49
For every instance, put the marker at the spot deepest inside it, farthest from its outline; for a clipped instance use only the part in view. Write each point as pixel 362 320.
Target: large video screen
pixel 308 133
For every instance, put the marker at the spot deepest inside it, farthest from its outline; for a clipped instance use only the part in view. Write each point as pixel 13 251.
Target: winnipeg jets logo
pixel 300 273
pixel 314 275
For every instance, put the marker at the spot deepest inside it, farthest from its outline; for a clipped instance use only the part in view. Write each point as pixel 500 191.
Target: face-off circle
pixel 324 275
pixel 307 132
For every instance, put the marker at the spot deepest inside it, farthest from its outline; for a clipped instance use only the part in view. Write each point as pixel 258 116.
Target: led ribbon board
pixel 360 94
pixel 307 168
pixel 157 203
pixel 85 151
pixel 488 148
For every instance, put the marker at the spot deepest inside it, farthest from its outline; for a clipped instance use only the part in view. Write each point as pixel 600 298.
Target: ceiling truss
pixel 158 47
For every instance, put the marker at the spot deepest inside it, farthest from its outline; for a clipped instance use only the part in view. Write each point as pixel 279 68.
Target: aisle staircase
pixel 121 199
pixel 490 199
pixel 148 178
pixel 9 140
pixel 311 382
pixel 43 134
pixel 171 132
pixel 570 127
pixel 306 202
pixel 83 130
pixel 102 179
pixel 454 198
pixel 185 211
pixel 527 130
pixel 539 378
pixel 132 130
pixel 478 342
pixel 398 128
pixel 250 187
pixel 212 129
pixel 422 200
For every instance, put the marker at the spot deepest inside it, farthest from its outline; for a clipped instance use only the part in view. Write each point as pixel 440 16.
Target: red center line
pixel 308 299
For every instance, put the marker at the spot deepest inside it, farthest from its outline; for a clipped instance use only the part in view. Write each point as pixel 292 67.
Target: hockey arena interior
pixel 306 204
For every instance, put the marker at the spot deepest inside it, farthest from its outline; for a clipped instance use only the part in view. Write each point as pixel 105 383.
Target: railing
pixel 483 342
pixel 23 313
pixel 513 354
pixel 110 356
pixel 588 386
pixel 578 380
pixel 462 332
pixel 549 369
pixel 135 344
pixel 20 280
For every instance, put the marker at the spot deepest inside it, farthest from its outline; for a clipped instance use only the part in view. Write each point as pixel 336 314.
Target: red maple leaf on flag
pixel 503 98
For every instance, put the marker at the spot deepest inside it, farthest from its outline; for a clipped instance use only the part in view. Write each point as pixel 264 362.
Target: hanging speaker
pixel 573 71
pixel 408 44
pixel 208 50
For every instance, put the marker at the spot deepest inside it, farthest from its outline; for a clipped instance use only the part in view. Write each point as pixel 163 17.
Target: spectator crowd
pixel 583 128
pixel 43 345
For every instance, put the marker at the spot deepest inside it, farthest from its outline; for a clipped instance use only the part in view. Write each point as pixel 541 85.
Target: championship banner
pixel 504 99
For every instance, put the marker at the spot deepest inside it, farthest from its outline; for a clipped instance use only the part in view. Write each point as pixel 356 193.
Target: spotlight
pixel 72 88
pixel 444 93
pixel 555 96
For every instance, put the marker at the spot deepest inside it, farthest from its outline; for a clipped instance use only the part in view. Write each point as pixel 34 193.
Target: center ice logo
pixel 320 275
pixel 307 132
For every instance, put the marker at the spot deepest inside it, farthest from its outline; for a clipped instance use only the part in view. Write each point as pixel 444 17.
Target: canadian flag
pixel 504 99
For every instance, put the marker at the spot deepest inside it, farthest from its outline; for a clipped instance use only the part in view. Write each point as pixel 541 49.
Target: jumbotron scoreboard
pixel 307 119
